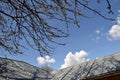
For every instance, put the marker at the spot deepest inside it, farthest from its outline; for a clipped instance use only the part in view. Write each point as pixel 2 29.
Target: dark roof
pixel 90 69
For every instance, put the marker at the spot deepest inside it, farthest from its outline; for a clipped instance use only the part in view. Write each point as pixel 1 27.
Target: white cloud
pixel 97 38
pixel 98 35
pixel 114 32
pixel 97 57
pixel 45 60
pixel 119 11
pixel 118 20
pixel 97 31
pixel 77 58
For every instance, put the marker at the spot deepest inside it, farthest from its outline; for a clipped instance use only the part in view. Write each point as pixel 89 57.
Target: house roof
pixel 90 69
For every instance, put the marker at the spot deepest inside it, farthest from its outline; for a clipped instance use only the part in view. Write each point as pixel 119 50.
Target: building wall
pixel 109 77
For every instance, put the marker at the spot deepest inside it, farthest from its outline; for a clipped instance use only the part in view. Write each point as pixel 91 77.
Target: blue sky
pixel 93 37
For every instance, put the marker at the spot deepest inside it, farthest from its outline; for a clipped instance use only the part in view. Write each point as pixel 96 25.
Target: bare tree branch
pixel 28 22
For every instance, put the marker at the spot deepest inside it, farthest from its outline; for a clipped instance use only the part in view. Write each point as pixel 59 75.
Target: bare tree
pixel 28 21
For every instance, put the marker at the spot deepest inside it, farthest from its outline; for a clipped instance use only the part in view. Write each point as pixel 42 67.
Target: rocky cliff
pixel 105 66
pixel 18 70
